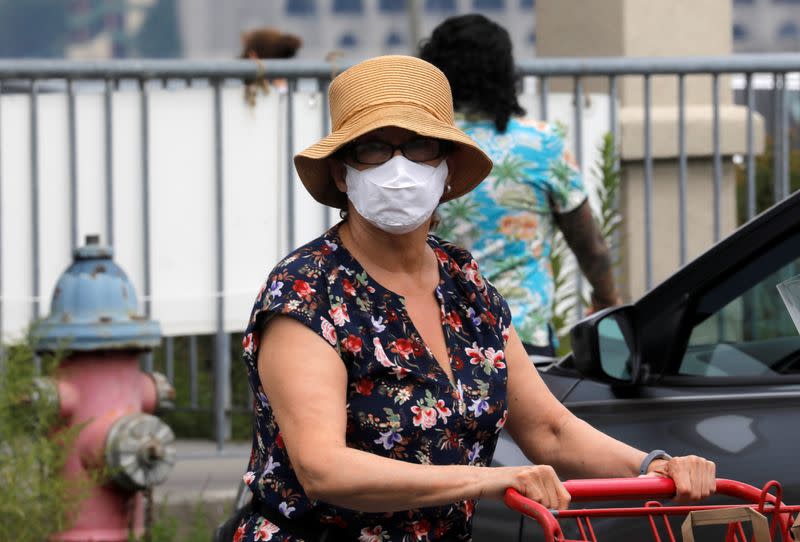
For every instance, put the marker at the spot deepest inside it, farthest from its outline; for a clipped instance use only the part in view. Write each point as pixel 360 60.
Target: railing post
pixel 2 258
pixel 777 135
pixel 717 158
pixel 751 160
pixel 73 164
pixel 222 357
pixel 35 231
pixel 648 187
pixel 144 111
pixel 682 167
pixel 290 226
pixel 577 97
pixel 109 163
pixel 326 127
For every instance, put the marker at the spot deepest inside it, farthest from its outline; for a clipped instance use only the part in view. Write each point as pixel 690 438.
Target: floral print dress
pixel 400 403
pixel 508 221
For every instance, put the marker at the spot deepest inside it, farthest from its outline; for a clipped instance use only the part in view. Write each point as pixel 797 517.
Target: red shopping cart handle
pixel 648 487
pixel 645 487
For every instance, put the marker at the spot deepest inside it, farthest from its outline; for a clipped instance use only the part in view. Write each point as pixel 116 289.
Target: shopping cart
pixel 767 501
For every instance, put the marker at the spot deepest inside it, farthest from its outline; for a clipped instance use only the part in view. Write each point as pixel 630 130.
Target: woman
pixel 383 365
pixel 508 222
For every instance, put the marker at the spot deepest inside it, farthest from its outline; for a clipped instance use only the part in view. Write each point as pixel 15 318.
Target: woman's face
pixel 372 146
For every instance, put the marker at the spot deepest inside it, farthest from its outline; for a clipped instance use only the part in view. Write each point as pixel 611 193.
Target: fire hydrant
pixel 122 448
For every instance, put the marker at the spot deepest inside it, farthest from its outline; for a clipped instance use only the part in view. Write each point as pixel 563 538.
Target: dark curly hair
pixel 475 55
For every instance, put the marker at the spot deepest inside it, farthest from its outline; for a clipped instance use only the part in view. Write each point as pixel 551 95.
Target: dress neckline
pixel 333 236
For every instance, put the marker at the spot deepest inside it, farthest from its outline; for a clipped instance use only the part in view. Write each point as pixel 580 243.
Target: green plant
pixel 36 500
pixel 765 179
pixel 170 525
pixel 607 170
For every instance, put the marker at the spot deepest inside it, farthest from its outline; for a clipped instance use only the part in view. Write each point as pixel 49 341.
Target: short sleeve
pixel 564 182
pixel 297 290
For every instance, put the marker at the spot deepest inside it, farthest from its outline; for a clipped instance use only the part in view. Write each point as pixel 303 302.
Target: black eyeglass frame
pixel 349 150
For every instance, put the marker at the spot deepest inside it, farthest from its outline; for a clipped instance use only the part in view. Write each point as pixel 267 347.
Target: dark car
pixel 707 363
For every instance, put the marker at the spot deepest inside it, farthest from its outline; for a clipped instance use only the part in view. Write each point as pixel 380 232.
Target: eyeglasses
pixel 421 149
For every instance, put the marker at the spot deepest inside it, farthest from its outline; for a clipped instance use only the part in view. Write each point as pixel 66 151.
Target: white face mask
pixel 397 196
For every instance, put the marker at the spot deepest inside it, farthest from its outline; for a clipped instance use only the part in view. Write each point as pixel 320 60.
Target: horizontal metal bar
pixel 740 63
pixel 238 69
pixel 164 69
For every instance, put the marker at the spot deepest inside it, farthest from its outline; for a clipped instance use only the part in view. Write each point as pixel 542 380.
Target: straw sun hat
pixel 393 90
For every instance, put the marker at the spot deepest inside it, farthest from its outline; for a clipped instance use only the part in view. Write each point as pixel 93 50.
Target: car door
pixel 720 367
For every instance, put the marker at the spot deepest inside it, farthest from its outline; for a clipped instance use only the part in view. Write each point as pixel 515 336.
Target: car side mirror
pixel 605 345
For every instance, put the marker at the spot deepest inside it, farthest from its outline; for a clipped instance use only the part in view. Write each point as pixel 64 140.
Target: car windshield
pixel 752 335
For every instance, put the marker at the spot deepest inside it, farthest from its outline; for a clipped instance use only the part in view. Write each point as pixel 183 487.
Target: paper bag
pixel 722 516
pixel 796 527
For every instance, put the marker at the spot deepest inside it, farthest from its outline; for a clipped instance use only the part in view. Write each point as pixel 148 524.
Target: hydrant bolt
pixel 165 392
pixel 139 451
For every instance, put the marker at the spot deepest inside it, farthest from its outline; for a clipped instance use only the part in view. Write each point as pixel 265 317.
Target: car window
pixel 752 335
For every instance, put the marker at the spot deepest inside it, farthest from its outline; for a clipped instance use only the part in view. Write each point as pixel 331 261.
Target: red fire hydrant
pixel 94 318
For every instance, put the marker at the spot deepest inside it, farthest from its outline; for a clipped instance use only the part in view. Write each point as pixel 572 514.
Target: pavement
pixel 203 474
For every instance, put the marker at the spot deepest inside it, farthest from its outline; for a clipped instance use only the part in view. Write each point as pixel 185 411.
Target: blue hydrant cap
pixel 94 307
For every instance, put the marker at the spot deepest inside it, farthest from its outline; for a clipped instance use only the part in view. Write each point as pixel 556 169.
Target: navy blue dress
pixel 400 403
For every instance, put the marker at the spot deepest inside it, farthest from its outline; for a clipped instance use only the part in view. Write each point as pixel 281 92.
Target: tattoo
pixel 582 234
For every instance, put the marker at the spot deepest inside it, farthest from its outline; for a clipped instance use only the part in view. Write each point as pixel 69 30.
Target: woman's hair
pixel 475 55
pixel 269 43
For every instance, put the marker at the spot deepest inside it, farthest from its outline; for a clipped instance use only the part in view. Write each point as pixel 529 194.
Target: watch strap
pixel 649 458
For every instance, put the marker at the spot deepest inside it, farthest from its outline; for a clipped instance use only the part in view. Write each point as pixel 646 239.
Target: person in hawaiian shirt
pixel 508 222
pixel 383 365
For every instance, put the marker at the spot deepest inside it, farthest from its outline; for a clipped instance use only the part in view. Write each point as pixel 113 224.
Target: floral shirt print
pixel 400 403
pixel 507 221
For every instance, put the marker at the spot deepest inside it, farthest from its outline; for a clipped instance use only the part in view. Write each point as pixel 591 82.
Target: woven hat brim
pixel 469 165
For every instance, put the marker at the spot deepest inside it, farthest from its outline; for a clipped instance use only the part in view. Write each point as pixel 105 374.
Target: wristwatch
pixel 649 458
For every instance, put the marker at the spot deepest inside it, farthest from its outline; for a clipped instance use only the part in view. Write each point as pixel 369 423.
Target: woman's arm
pixel 550 434
pixel 306 383
pixel 583 235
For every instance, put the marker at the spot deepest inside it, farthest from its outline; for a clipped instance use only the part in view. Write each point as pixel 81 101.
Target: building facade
pixel 357 28
pixel 766 26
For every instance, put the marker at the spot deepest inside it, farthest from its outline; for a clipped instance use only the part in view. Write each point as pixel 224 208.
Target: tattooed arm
pixel 583 236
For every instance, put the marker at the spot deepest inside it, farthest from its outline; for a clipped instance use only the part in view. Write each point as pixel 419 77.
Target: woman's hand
pixel 538 483
pixel 694 477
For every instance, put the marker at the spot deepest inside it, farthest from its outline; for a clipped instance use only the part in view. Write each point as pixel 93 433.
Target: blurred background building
pixel 357 28
pixel 763 26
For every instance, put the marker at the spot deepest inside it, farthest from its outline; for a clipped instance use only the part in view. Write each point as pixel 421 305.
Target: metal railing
pixel 34 77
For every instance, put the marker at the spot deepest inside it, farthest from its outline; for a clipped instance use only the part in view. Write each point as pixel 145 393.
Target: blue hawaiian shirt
pixel 508 221
pixel 400 403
